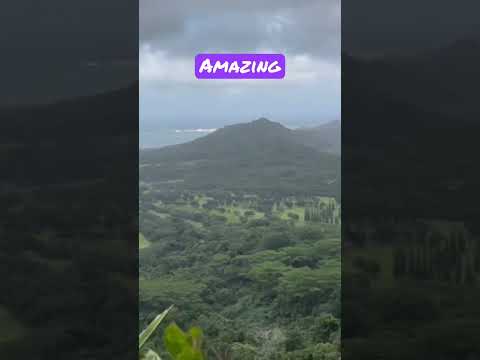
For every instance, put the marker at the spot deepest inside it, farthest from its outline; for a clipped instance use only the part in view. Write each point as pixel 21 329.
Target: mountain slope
pixel 402 151
pixel 105 114
pixel 441 80
pixel 324 138
pixel 260 155
pixel 80 138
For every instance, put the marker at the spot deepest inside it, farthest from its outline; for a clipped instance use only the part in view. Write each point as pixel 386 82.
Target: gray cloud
pixel 171 33
pixel 186 27
pixel 379 27
pixel 47 44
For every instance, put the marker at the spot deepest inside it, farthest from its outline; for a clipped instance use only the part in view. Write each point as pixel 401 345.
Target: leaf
pixel 189 353
pixel 145 334
pixel 175 340
pixel 150 355
pixel 196 336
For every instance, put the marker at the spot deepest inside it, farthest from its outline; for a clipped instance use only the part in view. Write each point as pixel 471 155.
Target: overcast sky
pixel 60 49
pixel 379 27
pixel 172 33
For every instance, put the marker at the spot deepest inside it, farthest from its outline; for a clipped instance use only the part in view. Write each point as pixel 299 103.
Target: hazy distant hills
pixel 260 155
pixel 105 114
pixel 441 80
pixel 324 138
pixel 81 138
pixel 410 127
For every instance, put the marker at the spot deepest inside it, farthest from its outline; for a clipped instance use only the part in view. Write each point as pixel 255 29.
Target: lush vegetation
pixel 258 274
pixel 410 290
pixel 260 157
pixel 68 249
pixel 58 285
pixel 241 230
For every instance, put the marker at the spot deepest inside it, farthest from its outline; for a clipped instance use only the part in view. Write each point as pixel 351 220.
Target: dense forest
pixel 261 280
pixel 68 250
pixel 410 260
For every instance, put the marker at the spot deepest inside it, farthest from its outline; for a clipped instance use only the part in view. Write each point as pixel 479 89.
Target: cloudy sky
pixel 378 27
pixel 60 49
pixel 172 33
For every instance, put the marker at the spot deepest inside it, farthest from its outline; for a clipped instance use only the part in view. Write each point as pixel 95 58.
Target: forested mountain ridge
pixel 81 138
pixel 425 127
pixel 324 138
pixel 259 155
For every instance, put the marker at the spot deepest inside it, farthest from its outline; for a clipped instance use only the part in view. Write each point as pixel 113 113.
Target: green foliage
pixel 259 288
pixel 181 345
pixel 267 273
pixel 322 351
pixel 142 241
pixel 276 240
pixel 271 156
pixel 164 289
pixel 147 333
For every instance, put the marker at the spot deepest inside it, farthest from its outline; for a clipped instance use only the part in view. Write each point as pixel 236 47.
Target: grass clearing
pixel 297 210
pixel 234 214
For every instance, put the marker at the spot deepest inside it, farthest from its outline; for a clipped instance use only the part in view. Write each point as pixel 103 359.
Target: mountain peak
pixel 262 120
pixel 249 155
pixel 265 123
pixel 252 128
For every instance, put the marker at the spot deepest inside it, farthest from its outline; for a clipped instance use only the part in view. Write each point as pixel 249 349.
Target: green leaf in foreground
pixel 145 334
pixel 181 345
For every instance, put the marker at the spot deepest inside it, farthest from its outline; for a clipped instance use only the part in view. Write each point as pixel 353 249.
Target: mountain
pixel 260 155
pixel 81 138
pixel 410 127
pixel 440 80
pixel 325 138
pixel 105 114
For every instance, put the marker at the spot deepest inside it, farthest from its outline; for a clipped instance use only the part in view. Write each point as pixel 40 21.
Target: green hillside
pixel 258 156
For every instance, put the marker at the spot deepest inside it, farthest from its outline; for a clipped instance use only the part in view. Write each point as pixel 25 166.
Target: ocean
pixel 164 137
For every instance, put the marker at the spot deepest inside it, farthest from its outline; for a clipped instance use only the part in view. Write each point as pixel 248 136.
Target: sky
pixel 379 27
pixel 172 33
pixel 60 49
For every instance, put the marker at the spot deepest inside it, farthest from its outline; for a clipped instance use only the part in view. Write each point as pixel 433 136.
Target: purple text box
pixel 240 66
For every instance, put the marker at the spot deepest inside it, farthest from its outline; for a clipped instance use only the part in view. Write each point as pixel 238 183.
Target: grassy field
pixel 297 210
pixel 235 213
pixel 232 213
